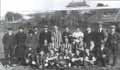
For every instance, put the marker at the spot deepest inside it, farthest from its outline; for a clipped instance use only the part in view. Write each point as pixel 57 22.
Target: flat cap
pixel 21 27
pixel 45 26
pixel 113 26
pixel 9 28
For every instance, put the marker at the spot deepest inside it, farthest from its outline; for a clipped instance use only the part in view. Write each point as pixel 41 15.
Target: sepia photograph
pixel 59 34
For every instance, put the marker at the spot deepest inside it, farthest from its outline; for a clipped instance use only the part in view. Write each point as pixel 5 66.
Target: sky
pixel 31 6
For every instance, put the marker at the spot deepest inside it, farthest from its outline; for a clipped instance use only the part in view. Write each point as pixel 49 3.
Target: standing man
pixel 36 37
pixel 9 43
pixel 88 38
pixel 20 49
pixel 67 34
pixel 36 31
pixel 99 37
pixel 77 34
pixel 31 41
pixel 58 36
pixel 112 43
pixel 45 36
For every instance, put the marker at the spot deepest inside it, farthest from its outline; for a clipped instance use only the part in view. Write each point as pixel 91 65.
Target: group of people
pixel 62 49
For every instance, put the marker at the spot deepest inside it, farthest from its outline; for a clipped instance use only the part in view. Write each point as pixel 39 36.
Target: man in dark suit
pixel 31 40
pixel 20 41
pixel 67 34
pixel 36 36
pixel 112 43
pixel 44 36
pixel 9 43
pixel 99 35
pixel 88 37
pixel 103 55
pixel 98 38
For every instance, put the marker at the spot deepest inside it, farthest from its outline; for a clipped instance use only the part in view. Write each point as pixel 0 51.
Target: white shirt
pixel 78 34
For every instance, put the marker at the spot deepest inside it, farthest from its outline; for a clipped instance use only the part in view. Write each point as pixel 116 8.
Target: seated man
pixel 40 59
pixel 50 60
pixel 89 58
pixel 30 57
pixel 61 63
pixel 77 59
pixel 67 58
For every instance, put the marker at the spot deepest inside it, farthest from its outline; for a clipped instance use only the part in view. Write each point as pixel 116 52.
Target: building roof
pixel 77 4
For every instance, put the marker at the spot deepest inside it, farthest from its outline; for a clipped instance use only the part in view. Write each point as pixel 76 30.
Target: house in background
pixel 78 3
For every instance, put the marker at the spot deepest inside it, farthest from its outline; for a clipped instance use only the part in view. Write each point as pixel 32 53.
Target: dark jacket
pixel 8 41
pixel 32 42
pixel 44 36
pixel 98 36
pixel 113 41
pixel 66 34
pixel 20 49
pixel 20 37
pixel 88 37
pixel 9 44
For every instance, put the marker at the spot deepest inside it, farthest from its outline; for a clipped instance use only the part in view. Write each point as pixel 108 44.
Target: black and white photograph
pixel 59 34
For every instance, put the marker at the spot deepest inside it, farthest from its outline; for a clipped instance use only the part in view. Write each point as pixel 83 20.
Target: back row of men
pixel 98 47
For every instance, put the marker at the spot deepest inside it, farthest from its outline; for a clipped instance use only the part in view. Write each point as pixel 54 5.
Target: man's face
pixel 100 26
pixel 87 51
pixel 31 34
pixel 45 42
pixel 36 29
pixel 78 29
pixel 55 27
pixel 60 57
pixel 89 29
pixel 21 30
pixel 41 53
pixel 46 29
pixel 30 49
pixel 67 29
pixel 66 51
pixel 10 31
pixel 52 38
pixel 77 52
pixel 113 30
pixel 51 51
pixel 66 40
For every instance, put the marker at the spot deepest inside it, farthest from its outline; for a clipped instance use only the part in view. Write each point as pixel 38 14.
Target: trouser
pixel 104 61
pixel 20 60
pixel 114 57
pixel 6 53
pixel 114 51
